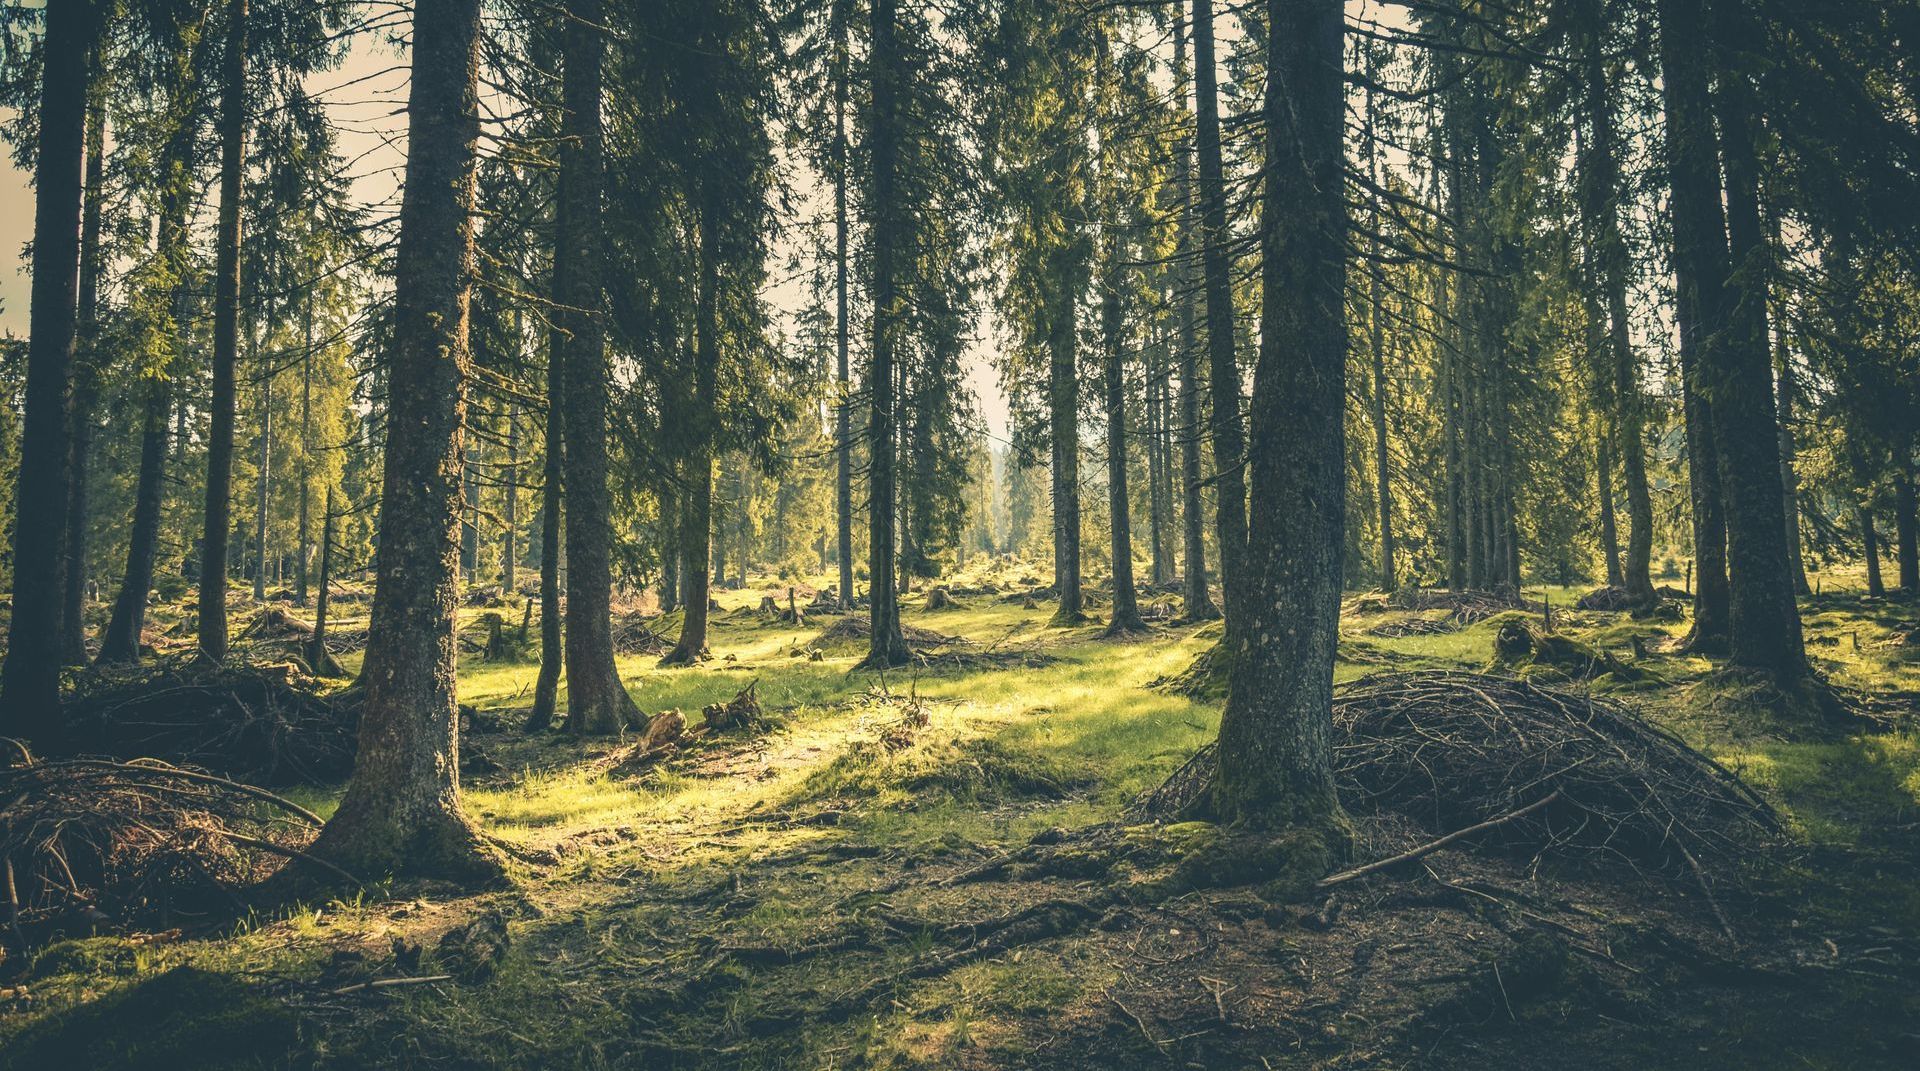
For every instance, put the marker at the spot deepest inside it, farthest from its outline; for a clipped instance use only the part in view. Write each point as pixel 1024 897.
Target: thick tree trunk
pixel 226 341
pixel 1196 602
pixel 596 701
pixel 1223 366
pixel 86 386
pixel 1700 269
pixel 1739 376
pixel 1784 393
pixel 30 681
pixel 1276 757
pixel 886 647
pixel 401 811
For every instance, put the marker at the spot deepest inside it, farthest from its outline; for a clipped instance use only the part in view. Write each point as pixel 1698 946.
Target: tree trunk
pixel 30 681
pixel 1600 194
pixel 1700 271
pixel 1126 608
pixel 317 654
pixel 226 340
pixel 264 491
pixel 1276 757
pixel 1789 478
pixel 1876 587
pixel 1223 366
pixel 121 641
pixel 304 537
pixel 1196 602
pixel 696 525
pixel 510 531
pixel 86 385
pixel 546 685
pixel 1739 365
pixel 1609 528
pixel 596 700
pixel 1904 526
pixel 885 647
pixel 843 409
pixel 401 811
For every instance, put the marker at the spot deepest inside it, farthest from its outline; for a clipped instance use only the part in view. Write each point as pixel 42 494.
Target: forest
pixel 988 534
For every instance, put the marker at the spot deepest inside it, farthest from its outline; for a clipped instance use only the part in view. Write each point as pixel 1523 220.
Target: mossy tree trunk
pixel 1196 602
pixel 1276 767
pixel 401 811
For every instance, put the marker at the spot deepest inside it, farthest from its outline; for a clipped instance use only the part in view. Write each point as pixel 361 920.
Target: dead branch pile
pixel 137 844
pixel 265 724
pixel 634 634
pixel 1466 607
pixel 855 627
pixel 1416 626
pixel 1449 750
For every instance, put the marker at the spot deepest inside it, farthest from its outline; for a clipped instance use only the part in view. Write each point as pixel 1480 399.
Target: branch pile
pixel 1465 607
pixel 1449 750
pixel 136 844
pixel 265 724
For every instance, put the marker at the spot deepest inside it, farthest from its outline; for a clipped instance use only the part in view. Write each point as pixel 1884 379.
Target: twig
pixel 388 983
pixel 206 778
pixel 290 853
pixel 1435 845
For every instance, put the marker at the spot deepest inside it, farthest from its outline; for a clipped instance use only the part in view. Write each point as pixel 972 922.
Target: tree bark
pixel 226 341
pixel 1876 587
pixel 263 491
pixel 1126 607
pixel 401 811
pixel 510 530
pixel 1905 527
pixel 886 647
pixel 317 654
pixel 843 410
pixel 1603 490
pixel 696 523
pixel 1766 631
pixel 546 684
pixel 1196 602
pixel 596 700
pixel 1700 270
pixel 30 681
pixel 1276 765
pixel 86 383
pixel 303 539
pixel 1223 366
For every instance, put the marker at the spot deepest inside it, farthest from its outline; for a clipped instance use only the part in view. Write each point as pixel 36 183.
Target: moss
pixel 186 1017
pixel 1284 866
pixel 101 957
pixel 978 769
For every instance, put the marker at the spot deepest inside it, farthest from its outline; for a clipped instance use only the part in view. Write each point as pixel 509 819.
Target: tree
pixel 1223 367
pixel 886 646
pixel 596 700
pixel 30 679
pixel 226 340
pixel 1276 759
pixel 86 380
pixel 401 810
pixel 1197 603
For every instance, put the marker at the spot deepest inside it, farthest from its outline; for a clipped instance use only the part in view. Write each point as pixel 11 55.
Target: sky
pixel 366 97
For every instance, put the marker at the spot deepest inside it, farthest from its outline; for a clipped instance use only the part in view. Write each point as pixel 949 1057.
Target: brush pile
pixel 265 724
pixel 1464 607
pixel 94 843
pixel 1449 750
pixel 1416 626
pixel 634 634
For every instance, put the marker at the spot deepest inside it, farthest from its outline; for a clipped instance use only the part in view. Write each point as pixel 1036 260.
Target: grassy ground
pixel 843 888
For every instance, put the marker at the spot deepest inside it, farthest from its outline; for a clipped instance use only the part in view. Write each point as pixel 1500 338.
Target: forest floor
pixel 938 867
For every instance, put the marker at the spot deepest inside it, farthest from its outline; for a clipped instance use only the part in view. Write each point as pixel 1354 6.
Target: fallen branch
pixel 1435 845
